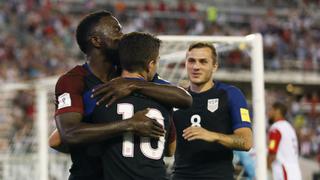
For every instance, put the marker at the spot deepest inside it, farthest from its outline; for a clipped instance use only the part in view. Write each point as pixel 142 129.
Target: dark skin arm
pixel 74 132
pixel 55 142
pixel 166 94
pixel 171 149
pixel 271 158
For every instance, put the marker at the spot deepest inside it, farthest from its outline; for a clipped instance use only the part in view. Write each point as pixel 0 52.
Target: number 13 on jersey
pixel 127 111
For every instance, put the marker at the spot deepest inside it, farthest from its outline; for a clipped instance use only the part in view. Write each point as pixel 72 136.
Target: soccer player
pixel 131 157
pixel 217 123
pixel 283 146
pixel 98 35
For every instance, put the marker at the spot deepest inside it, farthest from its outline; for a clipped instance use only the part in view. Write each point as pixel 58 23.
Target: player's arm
pixel 274 141
pixel 171 142
pixel 69 116
pixel 270 159
pixel 166 94
pixel 241 139
pixel 73 131
pixel 171 148
pixel 55 142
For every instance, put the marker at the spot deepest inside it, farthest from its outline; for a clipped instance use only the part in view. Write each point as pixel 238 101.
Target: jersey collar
pixel 87 67
pixel 215 86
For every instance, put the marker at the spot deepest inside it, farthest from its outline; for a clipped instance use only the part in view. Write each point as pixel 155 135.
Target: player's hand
pixel 144 126
pixel 192 133
pixel 114 90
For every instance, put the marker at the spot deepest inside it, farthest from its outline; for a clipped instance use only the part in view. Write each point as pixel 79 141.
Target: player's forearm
pixel 233 141
pixel 171 149
pixel 270 159
pixel 55 142
pixel 89 133
pixel 165 94
pixel 63 148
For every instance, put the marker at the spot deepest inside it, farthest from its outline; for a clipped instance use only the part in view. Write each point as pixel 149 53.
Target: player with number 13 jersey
pixel 130 156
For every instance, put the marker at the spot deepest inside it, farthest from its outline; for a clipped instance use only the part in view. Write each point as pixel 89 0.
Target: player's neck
pixel 199 88
pixel 279 118
pixel 127 74
pixel 100 68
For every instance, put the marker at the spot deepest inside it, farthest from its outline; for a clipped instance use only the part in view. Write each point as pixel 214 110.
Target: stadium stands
pixel 37 40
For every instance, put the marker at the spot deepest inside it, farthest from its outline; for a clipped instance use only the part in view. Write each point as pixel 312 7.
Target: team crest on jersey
pixel 213 104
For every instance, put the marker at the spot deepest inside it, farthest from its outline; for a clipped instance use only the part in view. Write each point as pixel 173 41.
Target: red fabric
pixel 284 173
pixel 71 83
pixel 274 141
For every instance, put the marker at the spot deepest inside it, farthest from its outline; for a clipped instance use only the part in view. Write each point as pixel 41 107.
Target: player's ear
pixel 95 41
pixel 215 67
pixel 151 65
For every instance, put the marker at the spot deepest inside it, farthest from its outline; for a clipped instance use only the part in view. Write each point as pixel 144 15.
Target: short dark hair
pixel 136 49
pixel 280 106
pixel 205 45
pixel 86 26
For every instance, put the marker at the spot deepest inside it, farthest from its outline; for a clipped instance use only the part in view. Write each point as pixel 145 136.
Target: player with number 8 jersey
pixel 130 156
pixel 217 122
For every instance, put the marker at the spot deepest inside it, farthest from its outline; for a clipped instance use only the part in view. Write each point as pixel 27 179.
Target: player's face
pixel 111 31
pixel 200 65
pixel 271 115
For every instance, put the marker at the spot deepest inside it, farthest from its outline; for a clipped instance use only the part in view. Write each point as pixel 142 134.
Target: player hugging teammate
pixel 109 134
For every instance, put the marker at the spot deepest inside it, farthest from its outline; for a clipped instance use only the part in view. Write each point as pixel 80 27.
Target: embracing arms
pixel 166 94
pixel 72 131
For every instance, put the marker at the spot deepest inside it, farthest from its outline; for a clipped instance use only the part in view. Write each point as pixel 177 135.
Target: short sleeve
pixel 274 141
pixel 238 109
pixel 68 94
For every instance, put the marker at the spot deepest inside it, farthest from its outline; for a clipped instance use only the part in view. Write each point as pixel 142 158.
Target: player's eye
pixel 191 60
pixel 203 61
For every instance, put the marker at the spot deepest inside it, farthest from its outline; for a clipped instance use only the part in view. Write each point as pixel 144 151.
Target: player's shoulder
pixel 227 87
pixel 72 80
pixel 281 125
pixel 159 80
pixel 277 126
pixel 233 92
pixel 78 72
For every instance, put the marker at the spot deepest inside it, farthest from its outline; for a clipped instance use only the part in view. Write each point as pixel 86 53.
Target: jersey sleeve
pixel 274 141
pixel 68 94
pixel 238 109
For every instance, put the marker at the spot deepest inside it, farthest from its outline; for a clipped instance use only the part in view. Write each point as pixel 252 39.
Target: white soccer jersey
pixel 283 142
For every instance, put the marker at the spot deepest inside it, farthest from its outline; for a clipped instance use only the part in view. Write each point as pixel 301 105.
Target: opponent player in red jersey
pixel 283 146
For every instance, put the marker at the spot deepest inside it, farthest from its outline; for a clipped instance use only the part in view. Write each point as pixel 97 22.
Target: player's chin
pixel 197 81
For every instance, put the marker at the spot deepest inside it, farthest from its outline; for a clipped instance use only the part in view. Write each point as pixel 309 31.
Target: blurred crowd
pixel 304 115
pixel 37 40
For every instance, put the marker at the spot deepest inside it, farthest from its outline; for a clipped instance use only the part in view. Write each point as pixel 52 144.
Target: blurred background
pixel 37 42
